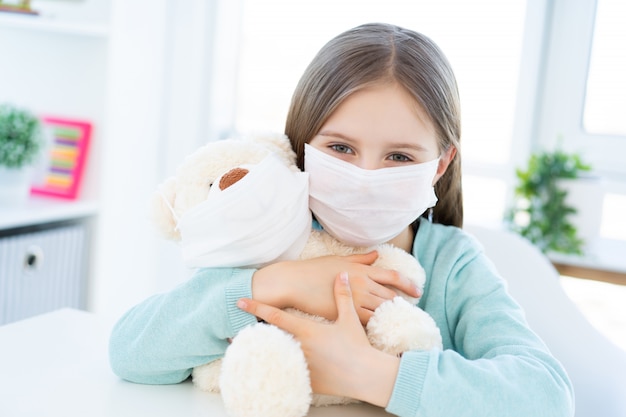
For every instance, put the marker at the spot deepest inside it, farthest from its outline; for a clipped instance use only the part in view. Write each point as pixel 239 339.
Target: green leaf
pixel 21 139
pixel 549 226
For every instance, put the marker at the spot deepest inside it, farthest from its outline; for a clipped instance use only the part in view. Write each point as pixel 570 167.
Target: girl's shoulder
pixel 435 237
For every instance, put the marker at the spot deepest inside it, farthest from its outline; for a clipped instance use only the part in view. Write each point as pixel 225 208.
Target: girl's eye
pixel 341 148
pixel 398 157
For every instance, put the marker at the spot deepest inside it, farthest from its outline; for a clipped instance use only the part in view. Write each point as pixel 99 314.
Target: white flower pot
pixel 14 185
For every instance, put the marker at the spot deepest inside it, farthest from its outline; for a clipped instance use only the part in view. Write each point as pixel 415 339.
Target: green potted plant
pixel 21 141
pixel 541 211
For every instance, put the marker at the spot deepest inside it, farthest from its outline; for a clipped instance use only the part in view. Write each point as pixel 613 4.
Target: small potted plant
pixel 541 211
pixel 21 141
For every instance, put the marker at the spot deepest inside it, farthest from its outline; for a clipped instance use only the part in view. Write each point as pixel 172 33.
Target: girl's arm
pixel 512 379
pixel 160 340
pixel 492 363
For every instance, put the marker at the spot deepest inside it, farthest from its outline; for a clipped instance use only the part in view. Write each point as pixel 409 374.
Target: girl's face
pixel 379 127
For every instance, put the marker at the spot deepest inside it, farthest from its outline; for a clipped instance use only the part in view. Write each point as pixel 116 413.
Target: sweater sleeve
pixel 492 363
pixel 160 340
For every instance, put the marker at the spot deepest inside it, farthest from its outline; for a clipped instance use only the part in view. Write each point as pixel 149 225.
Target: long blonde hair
pixel 374 53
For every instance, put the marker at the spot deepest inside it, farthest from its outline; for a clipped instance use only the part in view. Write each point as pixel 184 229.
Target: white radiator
pixel 42 269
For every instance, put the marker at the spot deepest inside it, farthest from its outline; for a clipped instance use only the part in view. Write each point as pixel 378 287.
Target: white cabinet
pixel 42 268
pixel 44 254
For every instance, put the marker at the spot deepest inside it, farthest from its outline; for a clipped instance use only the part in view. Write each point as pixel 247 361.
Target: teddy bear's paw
pixel 320 400
pixel 390 257
pixel 398 326
pixel 264 373
pixel 206 377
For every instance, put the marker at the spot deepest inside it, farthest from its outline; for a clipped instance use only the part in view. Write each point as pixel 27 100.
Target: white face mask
pixel 367 207
pixel 262 218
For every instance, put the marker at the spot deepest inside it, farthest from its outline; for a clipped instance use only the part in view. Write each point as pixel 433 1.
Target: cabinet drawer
pixel 42 269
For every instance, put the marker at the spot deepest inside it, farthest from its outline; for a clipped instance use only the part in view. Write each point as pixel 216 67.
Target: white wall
pixel 123 255
pixel 158 101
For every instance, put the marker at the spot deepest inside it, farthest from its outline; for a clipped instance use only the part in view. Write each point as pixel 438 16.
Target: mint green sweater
pixel 492 363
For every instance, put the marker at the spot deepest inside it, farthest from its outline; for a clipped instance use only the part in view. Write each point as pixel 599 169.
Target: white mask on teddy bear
pixel 225 229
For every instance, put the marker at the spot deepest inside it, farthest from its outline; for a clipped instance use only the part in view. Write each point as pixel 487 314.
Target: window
pixel 605 101
pixel 483 41
pixel 584 96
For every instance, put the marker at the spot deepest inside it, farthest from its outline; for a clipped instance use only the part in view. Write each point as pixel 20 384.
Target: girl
pixel 375 120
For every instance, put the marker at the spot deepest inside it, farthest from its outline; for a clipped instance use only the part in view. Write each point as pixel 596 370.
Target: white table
pixel 57 364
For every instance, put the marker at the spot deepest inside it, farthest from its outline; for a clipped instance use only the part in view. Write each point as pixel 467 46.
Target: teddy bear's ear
pixel 279 144
pixel 161 209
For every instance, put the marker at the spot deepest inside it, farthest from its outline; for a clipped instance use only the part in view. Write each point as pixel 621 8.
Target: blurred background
pixel 157 79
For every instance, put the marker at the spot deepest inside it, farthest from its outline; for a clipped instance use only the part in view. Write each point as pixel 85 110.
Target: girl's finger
pixel 343 299
pixel 364 315
pixel 269 314
pixel 371 301
pixel 364 258
pixel 394 279
pixel 380 294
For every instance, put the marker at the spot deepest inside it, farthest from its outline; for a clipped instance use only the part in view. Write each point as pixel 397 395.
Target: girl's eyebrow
pixel 412 146
pixel 400 145
pixel 330 133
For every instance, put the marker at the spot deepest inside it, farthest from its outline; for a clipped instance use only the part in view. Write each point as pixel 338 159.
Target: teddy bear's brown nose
pixel 231 177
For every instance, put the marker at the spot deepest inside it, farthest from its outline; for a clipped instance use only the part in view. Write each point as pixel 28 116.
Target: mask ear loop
pixel 430 214
pixel 169 206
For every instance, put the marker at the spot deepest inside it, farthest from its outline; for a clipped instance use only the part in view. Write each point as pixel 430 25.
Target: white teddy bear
pixel 264 371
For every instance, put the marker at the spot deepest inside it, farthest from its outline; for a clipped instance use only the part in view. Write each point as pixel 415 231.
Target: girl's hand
pixel 341 361
pixel 308 285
